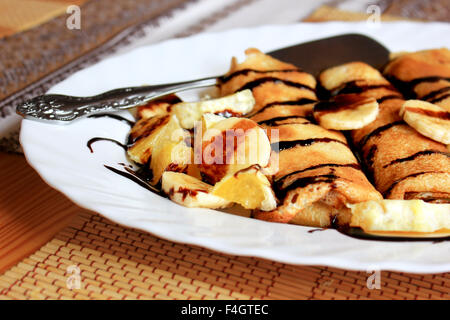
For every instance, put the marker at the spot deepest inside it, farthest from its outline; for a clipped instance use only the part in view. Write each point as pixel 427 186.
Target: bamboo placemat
pixel 115 262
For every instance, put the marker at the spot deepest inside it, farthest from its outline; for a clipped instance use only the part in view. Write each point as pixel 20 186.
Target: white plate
pixel 60 155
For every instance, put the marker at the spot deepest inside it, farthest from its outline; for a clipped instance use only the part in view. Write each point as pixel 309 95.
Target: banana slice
pixel 348 72
pixel 428 119
pixel 191 192
pixel 400 216
pixel 209 119
pixel 170 151
pixel 346 112
pixel 231 145
pixel 249 188
pixel 143 137
pixel 239 103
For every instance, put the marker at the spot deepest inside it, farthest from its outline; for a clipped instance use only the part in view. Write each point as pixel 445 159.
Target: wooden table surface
pixel 31 212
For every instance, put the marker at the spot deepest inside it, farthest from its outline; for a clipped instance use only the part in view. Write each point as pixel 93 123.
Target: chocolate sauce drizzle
pixel 317 229
pixel 186 192
pixel 340 103
pixel 352 87
pixel 133 139
pixel 378 131
pixel 441 98
pixel 112 116
pixel 139 177
pixel 227 78
pixel 299 102
pixel 389 97
pixel 370 155
pixel 415 155
pixel 433 94
pixel 255 83
pixel 280 180
pixel 271 122
pixel 407 87
pixel 284 145
pixel 396 182
pixel 444 115
pixel 427 197
pixel 303 182
pixel 96 139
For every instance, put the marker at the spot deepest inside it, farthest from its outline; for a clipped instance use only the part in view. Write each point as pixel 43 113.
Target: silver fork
pixel 313 57
pixel 64 109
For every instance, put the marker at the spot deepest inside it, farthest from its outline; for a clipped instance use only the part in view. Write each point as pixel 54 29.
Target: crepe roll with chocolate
pixel 423 75
pixel 271 81
pixel 403 163
pixel 316 174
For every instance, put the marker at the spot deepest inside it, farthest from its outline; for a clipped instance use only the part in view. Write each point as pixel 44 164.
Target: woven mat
pixel 120 263
pixel 109 261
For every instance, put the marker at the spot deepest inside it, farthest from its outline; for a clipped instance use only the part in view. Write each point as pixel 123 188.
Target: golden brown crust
pixel 401 160
pixel 142 137
pixel 318 173
pixel 433 66
pixel 259 66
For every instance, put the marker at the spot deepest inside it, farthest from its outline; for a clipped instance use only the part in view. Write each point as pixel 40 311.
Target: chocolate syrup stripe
pixel 407 87
pixel 378 131
pixel 255 83
pixel 433 94
pixel 349 165
pixel 299 102
pixel 416 155
pixel 370 155
pixel 389 97
pixel 227 78
pixel 340 103
pixel 135 177
pixel 96 139
pixel 427 197
pixel 284 145
pixel 396 182
pixel 271 122
pixel 351 87
pixel 441 98
pixel 303 182
pixel 444 115
pixel 160 121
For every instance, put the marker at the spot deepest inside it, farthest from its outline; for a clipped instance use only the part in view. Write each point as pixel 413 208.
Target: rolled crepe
pixel 403 163
pixel 423 75
pixel 317 173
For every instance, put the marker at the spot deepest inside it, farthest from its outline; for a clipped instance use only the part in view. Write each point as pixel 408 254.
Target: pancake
pixel 402 163
pixel 314 173
pixel 423 75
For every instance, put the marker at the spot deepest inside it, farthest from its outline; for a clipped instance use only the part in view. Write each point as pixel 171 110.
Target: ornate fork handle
pixel 63 109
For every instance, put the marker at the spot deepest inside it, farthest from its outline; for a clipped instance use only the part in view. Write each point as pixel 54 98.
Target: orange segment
pixel 249 188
